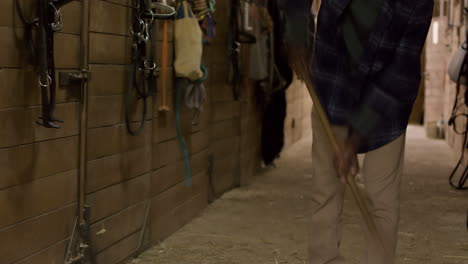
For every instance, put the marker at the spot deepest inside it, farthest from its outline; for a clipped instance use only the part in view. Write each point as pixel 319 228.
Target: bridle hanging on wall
pixel 40 53
pixel 143 69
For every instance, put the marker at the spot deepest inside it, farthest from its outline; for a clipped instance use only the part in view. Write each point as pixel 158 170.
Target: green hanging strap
pixel 180 137
pixel 180 87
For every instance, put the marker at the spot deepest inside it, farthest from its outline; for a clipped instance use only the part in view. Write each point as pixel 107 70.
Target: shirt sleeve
pixel 298 13
pixel 397 85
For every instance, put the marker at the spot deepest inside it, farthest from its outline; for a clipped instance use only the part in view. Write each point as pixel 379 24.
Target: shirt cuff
pixel 365 120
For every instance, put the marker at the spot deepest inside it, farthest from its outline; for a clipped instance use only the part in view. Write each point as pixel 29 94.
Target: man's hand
pixel 346 162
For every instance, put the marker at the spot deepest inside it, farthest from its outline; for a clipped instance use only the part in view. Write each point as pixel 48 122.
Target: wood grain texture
pixel 116 198
pixel 111 230
pixel 107 17
pixel 52 255
pixel 36 234
pixel 26 163
pixel 29 200
pixel 120 167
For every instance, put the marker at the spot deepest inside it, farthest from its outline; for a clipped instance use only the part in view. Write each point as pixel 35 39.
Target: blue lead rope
pixel 180 137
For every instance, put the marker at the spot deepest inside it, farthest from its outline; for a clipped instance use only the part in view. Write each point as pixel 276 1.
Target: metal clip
pixel 237 47
pixel 141 28
pixel 145 62
pixel 57 24
pixel 145 35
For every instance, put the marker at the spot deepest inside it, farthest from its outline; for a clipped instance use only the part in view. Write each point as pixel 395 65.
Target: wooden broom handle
pixel 358 197
pixel 164 54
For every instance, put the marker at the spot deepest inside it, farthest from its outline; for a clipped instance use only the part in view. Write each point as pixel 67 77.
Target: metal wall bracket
pixel 70 78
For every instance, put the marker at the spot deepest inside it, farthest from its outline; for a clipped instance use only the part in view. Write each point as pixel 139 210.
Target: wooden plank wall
pixel 118 173
pixel 225 118
pixel 39 166
pixel 129 175
pixel 127 178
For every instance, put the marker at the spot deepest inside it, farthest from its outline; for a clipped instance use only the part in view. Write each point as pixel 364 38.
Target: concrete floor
pixel 266 221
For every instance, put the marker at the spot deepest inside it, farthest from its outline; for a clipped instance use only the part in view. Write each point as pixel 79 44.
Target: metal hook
pixel 57 24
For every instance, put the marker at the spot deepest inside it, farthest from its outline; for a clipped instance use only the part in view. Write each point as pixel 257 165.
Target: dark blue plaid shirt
pixel 376 97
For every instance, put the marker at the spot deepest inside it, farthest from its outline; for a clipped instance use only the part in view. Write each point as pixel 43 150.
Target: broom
pixel 299 52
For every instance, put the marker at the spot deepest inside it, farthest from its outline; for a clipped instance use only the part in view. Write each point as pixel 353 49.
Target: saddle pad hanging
pixel 188 44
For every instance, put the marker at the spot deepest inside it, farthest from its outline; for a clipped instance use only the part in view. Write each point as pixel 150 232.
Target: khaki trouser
pixel 382 170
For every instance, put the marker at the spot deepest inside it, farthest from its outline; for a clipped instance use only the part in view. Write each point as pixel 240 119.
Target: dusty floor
pixel 265 222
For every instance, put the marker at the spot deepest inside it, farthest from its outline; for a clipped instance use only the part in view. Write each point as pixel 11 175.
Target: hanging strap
pixel 53 25
pixel 154 74
pixel 40 54
pixel 180 137
pixel 49 21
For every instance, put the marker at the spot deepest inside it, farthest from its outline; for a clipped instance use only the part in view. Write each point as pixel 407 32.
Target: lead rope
pixel 180 137
pixel 181 83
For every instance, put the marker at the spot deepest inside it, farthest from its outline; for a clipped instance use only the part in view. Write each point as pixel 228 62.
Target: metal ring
pixel 49 81
pixel 153 65
pixel 142 27
pixel 152 15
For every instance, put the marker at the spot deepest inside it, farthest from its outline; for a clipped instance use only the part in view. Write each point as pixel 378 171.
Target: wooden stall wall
pixel 131 178
pixel 118 167
pixel 135 185
pixel 451 37
pixel 39 166
pixel 234 123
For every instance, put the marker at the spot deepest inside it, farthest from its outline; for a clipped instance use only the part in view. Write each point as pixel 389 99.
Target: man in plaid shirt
pixel 366 70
